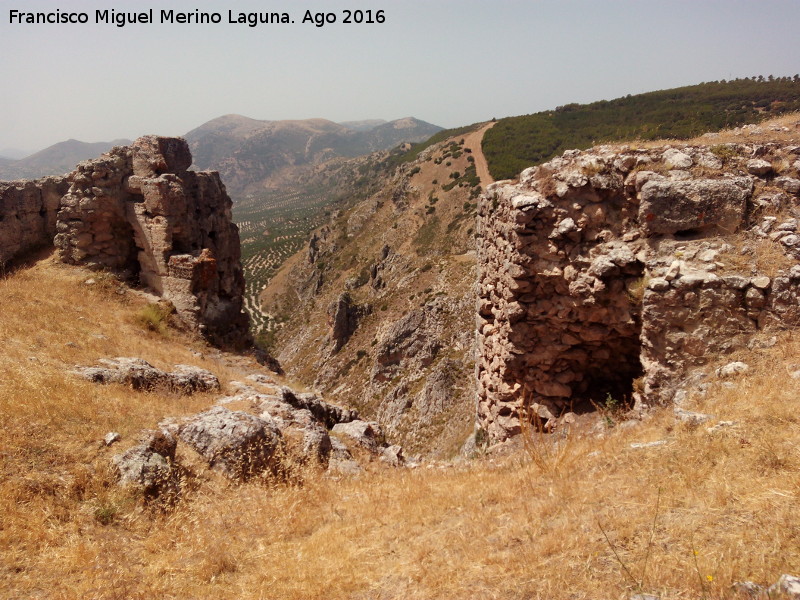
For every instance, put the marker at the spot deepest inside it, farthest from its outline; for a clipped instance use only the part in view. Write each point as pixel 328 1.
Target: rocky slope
pixel 377 312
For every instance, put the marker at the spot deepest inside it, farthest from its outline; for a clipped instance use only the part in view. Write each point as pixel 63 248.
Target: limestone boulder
pixel 669 207
pixel 141 375
pixel 236 443
pixel 149 464
pixel 367 434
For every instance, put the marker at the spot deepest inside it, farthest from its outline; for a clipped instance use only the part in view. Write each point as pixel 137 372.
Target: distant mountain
pixel 248 152
pixel 388 135
pixel 57 159
pixel 364 125
pixel 13 153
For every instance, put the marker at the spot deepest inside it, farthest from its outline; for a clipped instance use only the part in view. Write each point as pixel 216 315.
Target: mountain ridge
pixel 244 150
pixel 249 153
pixel 56 159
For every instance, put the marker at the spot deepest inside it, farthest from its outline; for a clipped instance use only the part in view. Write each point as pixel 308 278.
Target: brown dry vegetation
pixel 752 256
pixel 520 525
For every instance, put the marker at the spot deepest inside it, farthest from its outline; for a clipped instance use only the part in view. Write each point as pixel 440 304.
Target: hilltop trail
pixel 474 141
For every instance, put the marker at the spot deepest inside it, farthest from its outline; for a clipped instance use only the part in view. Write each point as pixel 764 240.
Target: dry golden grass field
pixel 581 516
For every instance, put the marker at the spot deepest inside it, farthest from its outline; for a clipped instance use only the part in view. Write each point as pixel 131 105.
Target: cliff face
pixel 139 210
pixel 619 272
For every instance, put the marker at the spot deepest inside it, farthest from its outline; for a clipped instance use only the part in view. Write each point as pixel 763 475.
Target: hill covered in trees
pixel 519 142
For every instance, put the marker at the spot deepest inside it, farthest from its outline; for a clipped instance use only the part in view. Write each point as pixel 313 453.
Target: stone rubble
pixel 787 587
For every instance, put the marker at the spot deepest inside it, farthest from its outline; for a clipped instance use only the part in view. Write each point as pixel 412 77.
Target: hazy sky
pixel 444 61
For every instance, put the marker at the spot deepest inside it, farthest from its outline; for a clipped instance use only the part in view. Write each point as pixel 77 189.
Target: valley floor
pixel 587 514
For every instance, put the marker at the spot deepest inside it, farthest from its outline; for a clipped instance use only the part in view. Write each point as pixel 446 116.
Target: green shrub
pixel 155 316
pixel 515 143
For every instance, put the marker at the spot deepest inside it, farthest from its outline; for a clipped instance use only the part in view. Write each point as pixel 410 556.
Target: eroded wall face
pixel 28 215
pixel 615 273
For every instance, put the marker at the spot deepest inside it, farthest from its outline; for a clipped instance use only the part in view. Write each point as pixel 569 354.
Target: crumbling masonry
pixel 619 272
pixel 139 211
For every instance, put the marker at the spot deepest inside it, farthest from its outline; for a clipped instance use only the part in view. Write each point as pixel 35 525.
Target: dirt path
pixel 473 142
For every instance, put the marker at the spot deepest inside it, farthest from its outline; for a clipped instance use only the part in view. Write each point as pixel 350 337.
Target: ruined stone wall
pixel 139 211
pixel 616 272
pixel 28 215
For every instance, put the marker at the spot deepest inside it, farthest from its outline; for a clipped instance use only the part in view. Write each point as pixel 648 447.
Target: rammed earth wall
pixel 618 272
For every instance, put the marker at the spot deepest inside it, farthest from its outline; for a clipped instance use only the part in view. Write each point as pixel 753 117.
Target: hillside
pixel 277 223
pixel 393 274
pixel 587 515
pixel 382 311
pixel 54 160
pixel 364 125
pixel 252 155
pixel 680 113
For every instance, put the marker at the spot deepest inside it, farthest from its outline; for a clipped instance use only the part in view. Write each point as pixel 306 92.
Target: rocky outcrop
pixel 236 443
pixel 150 465
pixel 343 317
pixel 139 211
pixel 327 414
pixel 264 431
pixel 28 215
pixel 410 343
pixel 617 272
pixel 141 375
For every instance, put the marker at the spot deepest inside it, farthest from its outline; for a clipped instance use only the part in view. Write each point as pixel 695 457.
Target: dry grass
pixel 751 256
pixel 526 525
